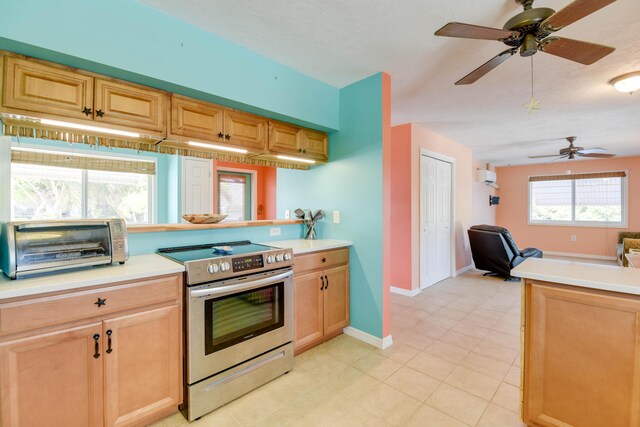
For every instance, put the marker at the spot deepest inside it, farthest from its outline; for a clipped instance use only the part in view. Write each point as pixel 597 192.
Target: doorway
pixel 197 191
pixel 437 256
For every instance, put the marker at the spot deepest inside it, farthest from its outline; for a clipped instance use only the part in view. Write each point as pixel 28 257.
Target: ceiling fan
pixel 530 31
pixel 571 152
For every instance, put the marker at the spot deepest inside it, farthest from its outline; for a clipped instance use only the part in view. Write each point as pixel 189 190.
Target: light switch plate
pixel 287 214
pixel 336 217
pixel 275 231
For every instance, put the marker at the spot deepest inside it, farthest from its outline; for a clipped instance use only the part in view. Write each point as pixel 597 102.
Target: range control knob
pixel 287 256
pixel 213 268
pixel 270 259
pixel 279 258
pixel 225 266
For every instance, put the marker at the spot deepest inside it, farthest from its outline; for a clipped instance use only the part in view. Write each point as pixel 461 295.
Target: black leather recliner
pixel 493 249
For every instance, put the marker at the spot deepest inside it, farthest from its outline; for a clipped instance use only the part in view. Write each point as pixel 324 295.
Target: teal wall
pixel 352 183
pixel 129 40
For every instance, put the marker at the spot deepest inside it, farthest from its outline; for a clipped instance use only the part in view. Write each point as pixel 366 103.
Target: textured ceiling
pixel 342 41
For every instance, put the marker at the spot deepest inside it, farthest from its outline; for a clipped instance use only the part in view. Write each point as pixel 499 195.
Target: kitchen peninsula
pixel 581 334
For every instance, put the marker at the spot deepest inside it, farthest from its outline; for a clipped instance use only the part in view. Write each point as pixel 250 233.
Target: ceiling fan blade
pixel 592 150
pixel 559 158
pixel 542 157
pixel 575 50
pixel 573 12
pixel 598 155
pixel 468 31
pixel 486 67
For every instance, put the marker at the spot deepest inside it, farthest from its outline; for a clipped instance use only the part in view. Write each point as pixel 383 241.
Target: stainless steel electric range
pixel 238 320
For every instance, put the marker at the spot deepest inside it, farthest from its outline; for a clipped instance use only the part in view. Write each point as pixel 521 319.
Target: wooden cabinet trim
pixel 314 261
pixel 34 313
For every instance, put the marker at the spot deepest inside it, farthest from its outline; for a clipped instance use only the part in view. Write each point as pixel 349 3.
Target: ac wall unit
pixel 486 176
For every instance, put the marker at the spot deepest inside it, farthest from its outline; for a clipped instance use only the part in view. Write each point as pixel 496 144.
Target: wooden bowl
pixel 203 218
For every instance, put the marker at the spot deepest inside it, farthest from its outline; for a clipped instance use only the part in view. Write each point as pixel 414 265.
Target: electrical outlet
pixel 574 238
pixel 287 214
pixel 275 231
pixel 336 217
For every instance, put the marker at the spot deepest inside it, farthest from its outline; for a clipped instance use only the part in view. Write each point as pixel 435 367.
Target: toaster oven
pixel 34 247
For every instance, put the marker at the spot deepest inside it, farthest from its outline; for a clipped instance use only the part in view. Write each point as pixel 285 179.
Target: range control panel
pixel 245 263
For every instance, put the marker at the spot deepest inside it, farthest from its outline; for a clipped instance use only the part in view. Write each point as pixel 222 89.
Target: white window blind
pixel 594 199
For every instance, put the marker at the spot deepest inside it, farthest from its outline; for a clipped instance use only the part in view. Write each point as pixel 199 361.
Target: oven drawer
pixel 320 260
pixel 53 310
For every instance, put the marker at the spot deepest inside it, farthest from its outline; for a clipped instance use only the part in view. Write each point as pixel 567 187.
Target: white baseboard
pixel 405 292
pixel 608 258
pixel 380 343
pixel 464 269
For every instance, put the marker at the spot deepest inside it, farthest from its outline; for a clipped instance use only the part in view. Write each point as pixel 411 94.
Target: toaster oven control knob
pixel 270 259
pixel 224 266
pixel 287 256
pixel 213 268
pixel 279 258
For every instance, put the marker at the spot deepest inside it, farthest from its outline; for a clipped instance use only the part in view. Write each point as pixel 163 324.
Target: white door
pixel 197 190
pixel 436 220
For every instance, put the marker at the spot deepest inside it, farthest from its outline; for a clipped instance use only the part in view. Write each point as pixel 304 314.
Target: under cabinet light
pixel 217 147
pixel 70 125
pixel 627 83
pixel 296 159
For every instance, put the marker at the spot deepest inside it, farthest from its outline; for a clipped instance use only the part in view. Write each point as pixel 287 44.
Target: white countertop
pixel 301 246
pixel 137 267
pixel 586 275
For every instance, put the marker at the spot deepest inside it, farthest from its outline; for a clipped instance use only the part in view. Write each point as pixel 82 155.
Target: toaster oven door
pixel 49 247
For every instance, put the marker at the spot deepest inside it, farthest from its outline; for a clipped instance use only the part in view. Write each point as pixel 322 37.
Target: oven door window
pixel 235 318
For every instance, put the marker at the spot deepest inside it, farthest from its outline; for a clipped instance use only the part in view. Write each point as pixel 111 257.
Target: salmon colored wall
pixel 405 200
pixel 386 205
pixel 265 190
pixel 512 212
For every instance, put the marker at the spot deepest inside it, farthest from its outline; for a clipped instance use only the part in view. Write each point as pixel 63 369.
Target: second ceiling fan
pixel 530 31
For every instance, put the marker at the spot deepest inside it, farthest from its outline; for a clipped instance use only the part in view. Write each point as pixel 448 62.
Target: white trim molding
pixel 405 292
pixel 587 256
pixel 380 343
pixel 464 270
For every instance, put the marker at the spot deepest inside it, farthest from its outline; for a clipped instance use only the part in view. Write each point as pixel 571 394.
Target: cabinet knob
pixel 227 136
pixel 324 259
pixel 220 135
pixel 87 111
pixel 304 151
pixel 299 150
pixel 101 302
pixel 99 113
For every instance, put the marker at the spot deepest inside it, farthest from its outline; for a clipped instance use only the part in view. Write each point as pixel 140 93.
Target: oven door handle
pixel 240 287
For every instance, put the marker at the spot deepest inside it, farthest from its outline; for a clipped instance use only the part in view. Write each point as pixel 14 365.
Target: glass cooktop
pixel 184 254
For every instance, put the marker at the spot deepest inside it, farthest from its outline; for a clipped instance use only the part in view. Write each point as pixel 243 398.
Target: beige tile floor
pixel 455 362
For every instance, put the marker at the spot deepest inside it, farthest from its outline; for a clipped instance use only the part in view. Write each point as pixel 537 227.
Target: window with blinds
pixel 234 195
pixel 591 199
pixel 62 185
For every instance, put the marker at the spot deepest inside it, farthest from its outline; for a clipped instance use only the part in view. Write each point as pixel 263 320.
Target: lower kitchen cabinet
pixel 53 379
pixel 321 297
pixel 142 365
pixel 121 366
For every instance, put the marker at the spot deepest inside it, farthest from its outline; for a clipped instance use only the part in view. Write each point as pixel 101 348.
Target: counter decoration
pixel 309 221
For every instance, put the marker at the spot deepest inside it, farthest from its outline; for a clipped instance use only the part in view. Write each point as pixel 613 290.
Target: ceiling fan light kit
pixel 530 31
pixel 627 83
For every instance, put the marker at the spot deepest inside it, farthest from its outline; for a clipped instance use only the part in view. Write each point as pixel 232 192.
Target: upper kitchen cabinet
pixel 127 105
pixel 32 86
pixel 196 119
pixel 285 138
pixel 204 121
pixel 41 89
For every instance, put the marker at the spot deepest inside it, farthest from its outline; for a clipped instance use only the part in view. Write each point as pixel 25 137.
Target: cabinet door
pixel 31 86
pixel 196 119
pixel 314 145
pixel 308 309
pixel 245 130
pixel 581 357
pixel 143 371
pixel 128 105
pixel 284 138
pixel 52 379
pixel 336 299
